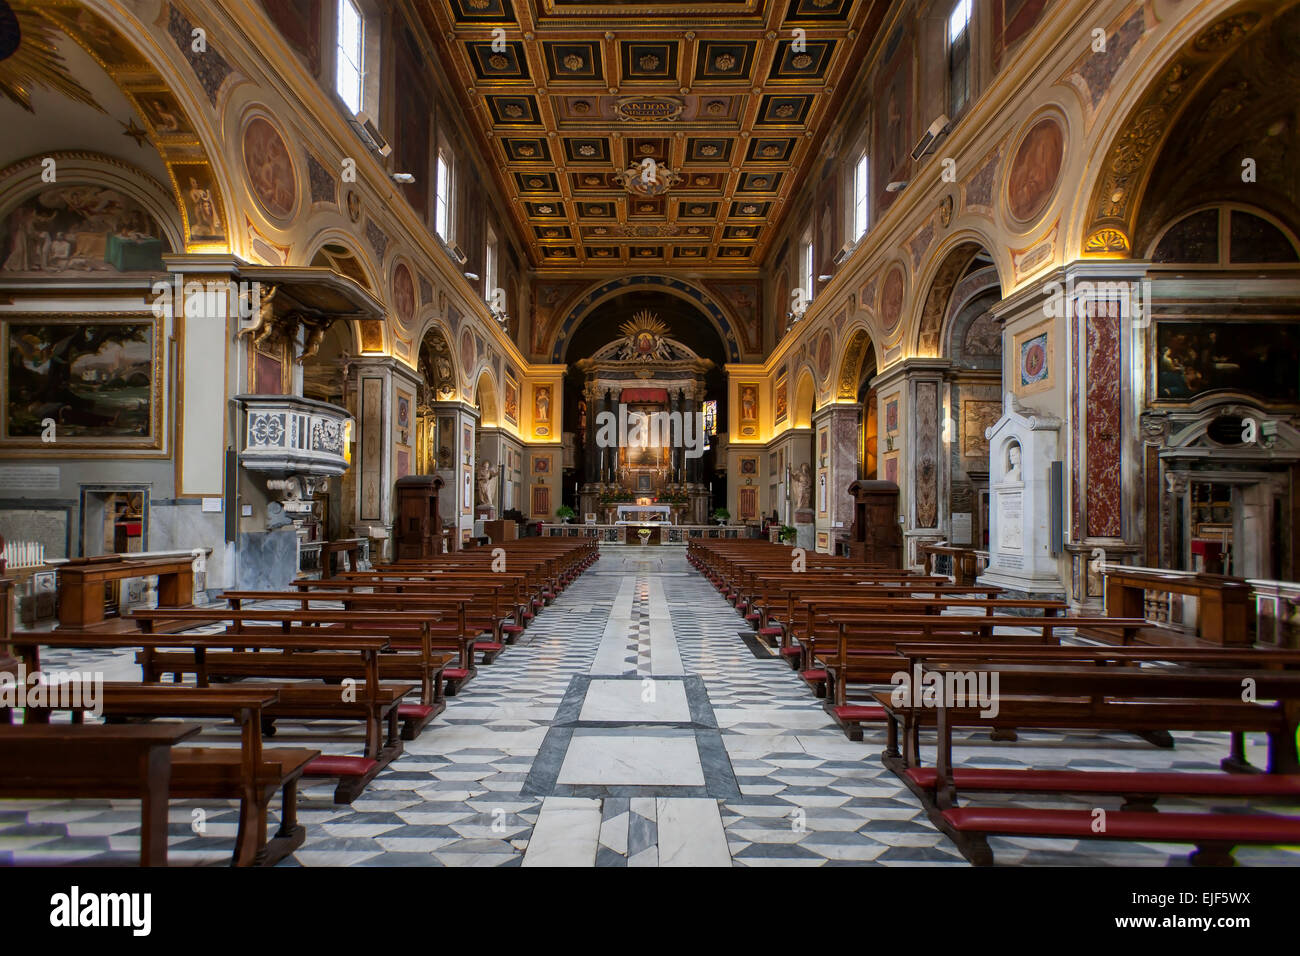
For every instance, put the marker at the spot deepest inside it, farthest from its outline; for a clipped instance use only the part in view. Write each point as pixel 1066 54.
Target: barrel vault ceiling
pixel 723 92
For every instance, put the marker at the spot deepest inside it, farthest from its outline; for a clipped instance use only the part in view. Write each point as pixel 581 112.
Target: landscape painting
pixel 95 380
pixel 1255 358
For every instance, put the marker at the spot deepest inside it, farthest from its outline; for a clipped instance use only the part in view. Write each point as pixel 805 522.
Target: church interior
pixel 657 433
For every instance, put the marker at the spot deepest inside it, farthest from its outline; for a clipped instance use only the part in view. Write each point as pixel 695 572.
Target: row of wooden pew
pixel 382 648
pixel 853 632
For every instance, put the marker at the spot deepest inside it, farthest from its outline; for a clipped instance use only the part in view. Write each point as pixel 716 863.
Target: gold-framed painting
pixel 782 399
pixel 1033 351
pixel 79 384
pixel 511 403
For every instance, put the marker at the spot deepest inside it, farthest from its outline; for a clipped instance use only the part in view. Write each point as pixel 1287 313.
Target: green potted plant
pixel 721 515
pixel 565 513
pixel 786 533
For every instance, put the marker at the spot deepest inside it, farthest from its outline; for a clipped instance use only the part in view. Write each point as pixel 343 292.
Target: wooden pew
pixel 1009 653
pixel 1070 695
pixel 864 649
pixel 273 654
pixel 427 643
pixel 251 773
pixel 43 761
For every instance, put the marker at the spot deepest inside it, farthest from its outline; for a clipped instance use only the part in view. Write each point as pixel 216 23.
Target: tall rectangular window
pixel 442 198
pixel 860 197
pixel 806 270
pixel 490 269
pixel 348 69
pixel 959 57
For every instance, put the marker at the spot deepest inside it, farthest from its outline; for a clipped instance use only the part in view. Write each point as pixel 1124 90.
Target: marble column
pixel 922 447
pixel 840 466
pixel 370 388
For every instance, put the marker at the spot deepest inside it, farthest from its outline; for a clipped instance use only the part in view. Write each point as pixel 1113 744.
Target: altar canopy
pixel 644 395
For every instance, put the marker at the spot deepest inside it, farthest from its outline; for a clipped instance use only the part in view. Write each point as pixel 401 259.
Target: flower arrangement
pixel 564 513
pixel 644 535
pixel 786 533
pixel 721 515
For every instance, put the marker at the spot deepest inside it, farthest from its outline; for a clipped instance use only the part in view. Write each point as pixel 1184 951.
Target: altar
pixel 641 514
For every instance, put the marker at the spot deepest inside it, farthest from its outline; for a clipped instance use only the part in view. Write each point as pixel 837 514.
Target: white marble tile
pixel 626 700
pixel 632 761
pixel 690 833
pixel 566 834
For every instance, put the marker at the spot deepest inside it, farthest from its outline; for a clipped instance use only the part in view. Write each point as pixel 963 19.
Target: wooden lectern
pixel 418 528
pixel 875 537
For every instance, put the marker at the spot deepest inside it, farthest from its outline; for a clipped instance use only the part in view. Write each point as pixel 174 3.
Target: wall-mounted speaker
pixel 232 495
pixel 1056 507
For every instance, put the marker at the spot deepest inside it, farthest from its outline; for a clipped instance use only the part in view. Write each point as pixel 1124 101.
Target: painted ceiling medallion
pixel 648 178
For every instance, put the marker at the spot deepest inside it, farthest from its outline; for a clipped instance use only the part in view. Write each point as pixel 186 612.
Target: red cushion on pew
pixel 754 616
pixel 770 630
pixel 414 710
pixel 1129 825
pixel 488 646
pixel 852 712
pixel 1097 781
pixel 339 765
pixel 512 628
pixel 456 673
pixel 791 651
pixel 528 615
pixel 817 673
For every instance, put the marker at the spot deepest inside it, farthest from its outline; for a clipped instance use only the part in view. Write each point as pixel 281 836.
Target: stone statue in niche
pixel 1013 462
pixel 486 484
pixel 802 487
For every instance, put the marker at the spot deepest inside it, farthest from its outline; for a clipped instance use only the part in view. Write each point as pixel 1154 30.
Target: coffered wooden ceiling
pixel 724 92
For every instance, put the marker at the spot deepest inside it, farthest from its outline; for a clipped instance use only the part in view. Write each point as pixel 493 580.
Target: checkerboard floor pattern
pixel 808 796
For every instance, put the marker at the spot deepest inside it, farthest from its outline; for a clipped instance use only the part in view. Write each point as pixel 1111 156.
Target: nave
pixel 556 755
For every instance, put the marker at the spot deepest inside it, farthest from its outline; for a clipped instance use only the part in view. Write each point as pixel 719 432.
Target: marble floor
pixel 634 724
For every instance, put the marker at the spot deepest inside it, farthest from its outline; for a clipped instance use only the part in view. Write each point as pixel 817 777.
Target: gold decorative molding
pixel 1132 155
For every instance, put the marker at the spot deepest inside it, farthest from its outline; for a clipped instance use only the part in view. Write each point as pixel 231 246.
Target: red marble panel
pixel 1102 414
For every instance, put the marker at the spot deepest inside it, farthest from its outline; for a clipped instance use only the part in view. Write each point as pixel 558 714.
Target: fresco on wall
pixel 891 299
pixel 511 401
pixel 270 170
pixel 893 121
pixel 1035 170
pixel 403 294
pixel 824 357
pixel 164 113
pixel 81 228
pixel 299 23
pixel 1257 358
pixel 201 201
pixel 95 380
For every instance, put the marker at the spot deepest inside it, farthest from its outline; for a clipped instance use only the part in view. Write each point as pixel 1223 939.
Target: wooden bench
pixel 1117 697
pixel 272 654
pixel 45 762
pixel 251 773
pixel 864 649
pixel 425 645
